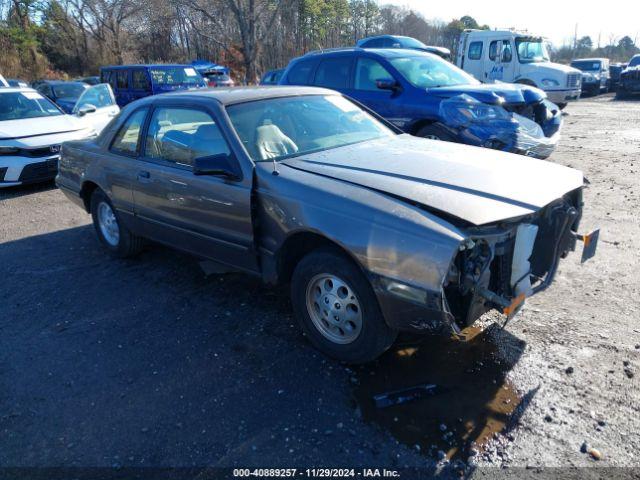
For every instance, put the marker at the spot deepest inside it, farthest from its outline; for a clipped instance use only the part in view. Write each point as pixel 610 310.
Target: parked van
pixel 595 74
pixel 516 57
pixel 131 82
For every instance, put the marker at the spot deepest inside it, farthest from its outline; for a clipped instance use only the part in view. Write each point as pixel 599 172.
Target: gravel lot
pixel 149 362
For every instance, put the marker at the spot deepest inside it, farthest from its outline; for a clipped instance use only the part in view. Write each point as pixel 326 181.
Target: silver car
pixel 375 231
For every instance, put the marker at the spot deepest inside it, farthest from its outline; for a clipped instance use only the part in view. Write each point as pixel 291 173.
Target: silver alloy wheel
pixel 334 308
pixel 108 224
pixel 432 137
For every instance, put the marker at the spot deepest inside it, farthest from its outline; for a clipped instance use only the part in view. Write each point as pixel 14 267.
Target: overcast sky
pixel 555 19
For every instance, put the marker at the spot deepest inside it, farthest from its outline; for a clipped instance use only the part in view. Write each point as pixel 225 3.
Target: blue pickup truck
pixel 429 97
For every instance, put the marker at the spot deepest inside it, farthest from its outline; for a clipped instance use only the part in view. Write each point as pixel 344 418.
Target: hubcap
pixel 334 308
pixel 108 224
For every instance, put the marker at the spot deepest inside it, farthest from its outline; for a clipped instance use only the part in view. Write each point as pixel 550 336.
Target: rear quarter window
pixel 300 73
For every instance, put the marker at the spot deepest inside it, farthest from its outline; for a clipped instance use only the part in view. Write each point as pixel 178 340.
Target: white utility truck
pixel 517 57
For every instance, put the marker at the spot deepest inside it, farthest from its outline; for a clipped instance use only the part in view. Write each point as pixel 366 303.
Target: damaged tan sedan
pixel 375 231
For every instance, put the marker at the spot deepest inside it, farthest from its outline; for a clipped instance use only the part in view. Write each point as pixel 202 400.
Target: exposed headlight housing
pixel 550 82
pixel 464 110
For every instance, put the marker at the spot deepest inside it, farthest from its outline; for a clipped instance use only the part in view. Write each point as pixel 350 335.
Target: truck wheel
pixel 435 132
pixel 337 309
pixel 113 235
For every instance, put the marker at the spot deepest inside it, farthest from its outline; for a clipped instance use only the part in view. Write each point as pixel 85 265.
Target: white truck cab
pixel 517 57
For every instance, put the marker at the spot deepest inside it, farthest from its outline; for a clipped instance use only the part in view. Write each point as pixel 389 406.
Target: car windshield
pixel 430 72
pixel 68 90
pixel 635 61
pixel 20 105
pixel 587 65
pixel 280 128
pixel 172 76
pixel 532 50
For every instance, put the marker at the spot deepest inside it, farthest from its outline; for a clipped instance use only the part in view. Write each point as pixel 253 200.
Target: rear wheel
pixel 113 235
pixel 435 132
pixel 337 308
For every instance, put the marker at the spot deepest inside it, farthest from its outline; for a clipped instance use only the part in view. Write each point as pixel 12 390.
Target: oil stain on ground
pixel 471 400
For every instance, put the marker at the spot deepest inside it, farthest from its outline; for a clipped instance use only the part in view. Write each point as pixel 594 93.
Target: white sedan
pixel 32 128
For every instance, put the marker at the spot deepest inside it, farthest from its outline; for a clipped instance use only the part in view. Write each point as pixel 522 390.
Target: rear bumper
pixel 25 170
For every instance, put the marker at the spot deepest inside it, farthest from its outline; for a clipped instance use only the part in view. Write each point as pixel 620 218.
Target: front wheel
pixel 337 308
pixel 113 235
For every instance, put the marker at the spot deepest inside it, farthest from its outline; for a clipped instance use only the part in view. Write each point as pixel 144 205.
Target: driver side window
pixel 180 135
pixel 368 71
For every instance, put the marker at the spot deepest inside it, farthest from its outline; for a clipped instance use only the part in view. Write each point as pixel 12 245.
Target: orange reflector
pixel 511 309
pixel 586 239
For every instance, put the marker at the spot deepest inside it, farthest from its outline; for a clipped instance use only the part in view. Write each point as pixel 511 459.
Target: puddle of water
pixel 471 399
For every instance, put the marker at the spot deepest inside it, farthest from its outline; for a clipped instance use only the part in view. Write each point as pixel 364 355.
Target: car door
pixel 365 89
pixel 473 61
pixel 206 215
pixel 97 106
pixel 499 65
pixel 120 165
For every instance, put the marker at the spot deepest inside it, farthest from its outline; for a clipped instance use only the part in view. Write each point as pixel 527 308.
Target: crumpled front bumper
pixel 524 137
pixel 513 132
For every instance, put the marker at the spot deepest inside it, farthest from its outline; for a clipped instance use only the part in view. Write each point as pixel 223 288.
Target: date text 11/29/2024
pixel 316 472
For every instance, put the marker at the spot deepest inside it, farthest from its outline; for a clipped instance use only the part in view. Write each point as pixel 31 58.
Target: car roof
pixel 145 65
pixel 62 82
pixel 230 96
pixel 383 52
pixel 16 89
pixel 594 59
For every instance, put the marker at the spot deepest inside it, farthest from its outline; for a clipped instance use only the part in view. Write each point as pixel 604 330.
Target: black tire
pixel 374 337
pixel 435 132
pixel 128 244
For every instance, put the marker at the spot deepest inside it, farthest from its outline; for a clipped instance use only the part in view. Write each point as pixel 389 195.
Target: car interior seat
pixel 271 142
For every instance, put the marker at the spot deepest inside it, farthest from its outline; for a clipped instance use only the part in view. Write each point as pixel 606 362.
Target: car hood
pixel 35 127
pixel 551 67
pixel 478 185
pixel 493 93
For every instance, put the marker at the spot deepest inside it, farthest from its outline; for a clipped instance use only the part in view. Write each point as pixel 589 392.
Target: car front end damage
pixel 630 81
pixel 531 129
pixel 499 266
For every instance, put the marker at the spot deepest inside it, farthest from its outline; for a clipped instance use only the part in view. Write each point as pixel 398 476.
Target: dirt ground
pixel 149 362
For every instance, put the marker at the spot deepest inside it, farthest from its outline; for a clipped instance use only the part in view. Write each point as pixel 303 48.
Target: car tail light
pixel 212 83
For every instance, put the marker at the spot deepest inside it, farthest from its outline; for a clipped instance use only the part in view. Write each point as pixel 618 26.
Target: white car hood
pixel 34 127
pixel 475 184
pixel 39 132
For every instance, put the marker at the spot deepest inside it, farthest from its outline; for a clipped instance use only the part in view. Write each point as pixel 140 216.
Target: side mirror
pixel 219 165
pixel 82 111
pixel 387 84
